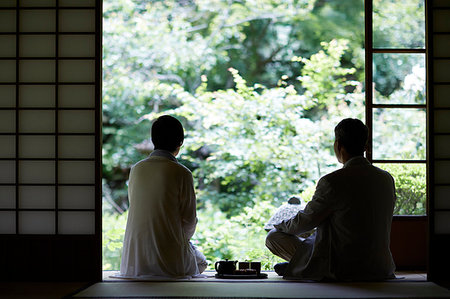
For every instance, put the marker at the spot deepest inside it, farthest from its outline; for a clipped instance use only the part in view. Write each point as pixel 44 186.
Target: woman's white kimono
pixel 161 220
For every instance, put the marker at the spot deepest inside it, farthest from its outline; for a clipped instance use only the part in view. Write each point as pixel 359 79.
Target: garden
pixel 259 86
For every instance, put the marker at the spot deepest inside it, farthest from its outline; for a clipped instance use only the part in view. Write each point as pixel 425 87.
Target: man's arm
pixel 316 211
pixel 189 207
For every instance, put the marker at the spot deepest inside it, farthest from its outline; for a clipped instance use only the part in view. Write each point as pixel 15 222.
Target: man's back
pixel 363 198
pixel 352 242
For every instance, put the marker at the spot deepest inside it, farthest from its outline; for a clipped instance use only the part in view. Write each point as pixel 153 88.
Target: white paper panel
pixel 37 121
pixel 442 121
pixel 37 46
pixel 37 146
pixel 37 20
pixel 441 20
pixel 25 3
pixel 7 222
pixel 76 147
pixel 37 96
pixel 76 45
pixel 37 172
pixel 441 68
pixel 76 71
pixel 441 222
pixel 37 71
pixel 37 222
pixel 442 146
pixel 76 197
pixel 441 46
pixel 76 96
pixel 7 172
pixel 441 172
pixel 7 197
pixel 76 223
pixel 442 96
pixel 442 197
pixel 77 20
pixel 80 121
pixel 7 96
pixel 37 197
pixel 7 20
pixel 8 3
pixel 76 172
pixel 8 73
pixel 7 146
pixel 86 3
pixel 7 121
pixel 8 45
pixel 441 3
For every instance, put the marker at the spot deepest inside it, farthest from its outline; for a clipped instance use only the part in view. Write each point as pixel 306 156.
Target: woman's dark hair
pixel 167 133
pixel 352 134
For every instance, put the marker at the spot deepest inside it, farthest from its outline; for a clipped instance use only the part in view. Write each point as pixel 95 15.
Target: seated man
pixel 352 212
pixel 162 215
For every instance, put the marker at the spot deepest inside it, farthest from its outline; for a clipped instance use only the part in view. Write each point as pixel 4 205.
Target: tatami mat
pixel 272 277
pixel 263 290
pixel 413 287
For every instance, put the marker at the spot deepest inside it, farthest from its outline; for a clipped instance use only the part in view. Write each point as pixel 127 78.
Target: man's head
pixel 351 136
pixel 167 133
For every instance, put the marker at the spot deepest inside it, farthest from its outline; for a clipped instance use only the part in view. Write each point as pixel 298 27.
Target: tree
pixel 259 86
pixel 260 143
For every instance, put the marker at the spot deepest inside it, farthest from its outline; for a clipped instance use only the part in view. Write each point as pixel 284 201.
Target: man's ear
pixel 338 145
pixel 366 146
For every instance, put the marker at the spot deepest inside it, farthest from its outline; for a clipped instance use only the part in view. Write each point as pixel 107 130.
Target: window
pixel 396 101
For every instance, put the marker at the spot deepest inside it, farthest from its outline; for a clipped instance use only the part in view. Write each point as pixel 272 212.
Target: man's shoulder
pixel 175 165
pixel 364 170
pixel 184 169
pixel 334 174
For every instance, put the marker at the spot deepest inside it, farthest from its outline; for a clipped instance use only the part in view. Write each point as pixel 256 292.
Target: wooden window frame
pixel 408 231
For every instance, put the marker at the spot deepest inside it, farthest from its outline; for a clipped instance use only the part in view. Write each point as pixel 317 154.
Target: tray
pixel 241 276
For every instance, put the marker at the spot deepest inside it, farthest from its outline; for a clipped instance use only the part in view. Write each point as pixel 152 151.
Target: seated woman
pixel 162 215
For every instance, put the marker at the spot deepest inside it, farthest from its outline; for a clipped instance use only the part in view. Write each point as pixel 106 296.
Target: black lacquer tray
pixel 241 276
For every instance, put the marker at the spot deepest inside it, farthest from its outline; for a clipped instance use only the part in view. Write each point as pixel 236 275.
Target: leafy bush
pixel 113 233
pixel 241 237
pixel 253 137
pixel 410 185
pixel 261 142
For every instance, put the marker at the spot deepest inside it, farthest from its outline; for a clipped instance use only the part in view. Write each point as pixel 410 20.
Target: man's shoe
pixel 281 268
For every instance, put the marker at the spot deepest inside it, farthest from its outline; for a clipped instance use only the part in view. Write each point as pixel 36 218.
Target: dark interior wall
pixel 438 81
pixel 48 258
pixel 60 239
pixel 409 238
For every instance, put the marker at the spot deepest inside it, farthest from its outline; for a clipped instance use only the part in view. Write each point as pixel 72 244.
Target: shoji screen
pixel 439 140
pixel 50 165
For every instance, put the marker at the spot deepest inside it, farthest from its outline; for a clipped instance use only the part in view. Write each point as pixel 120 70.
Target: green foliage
pixel 262 142
pixel 259 86
pixel 396 24
pixel 113 233
pixel 240 237
pixel 399 24
pixel 323 77
pixel 410 185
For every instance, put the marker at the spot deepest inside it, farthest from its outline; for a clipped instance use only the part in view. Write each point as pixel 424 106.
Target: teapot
pixel 225 267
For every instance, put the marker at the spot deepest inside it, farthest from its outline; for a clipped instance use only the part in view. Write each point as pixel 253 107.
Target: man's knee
pixel 272 238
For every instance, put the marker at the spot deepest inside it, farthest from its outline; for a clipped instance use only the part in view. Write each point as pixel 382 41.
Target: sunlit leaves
pixel 261 144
